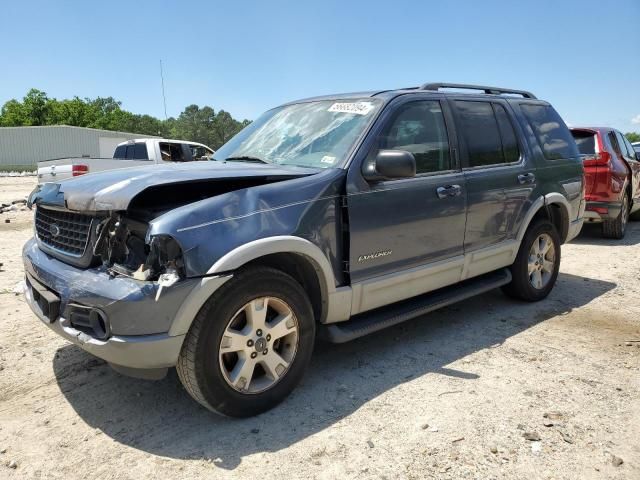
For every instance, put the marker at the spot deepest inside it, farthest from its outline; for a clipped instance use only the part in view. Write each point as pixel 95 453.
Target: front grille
pixel 67 232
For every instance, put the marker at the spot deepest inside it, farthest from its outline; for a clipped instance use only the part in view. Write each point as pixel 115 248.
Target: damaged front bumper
pixel 134 321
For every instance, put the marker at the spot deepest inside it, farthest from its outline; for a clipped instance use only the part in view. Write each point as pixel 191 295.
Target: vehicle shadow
pixel 160 418
pixel 591 234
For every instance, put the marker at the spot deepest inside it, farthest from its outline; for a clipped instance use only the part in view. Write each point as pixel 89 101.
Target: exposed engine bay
pixel 122 248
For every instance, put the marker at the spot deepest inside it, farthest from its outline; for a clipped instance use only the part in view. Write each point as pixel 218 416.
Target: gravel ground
pixel 488 388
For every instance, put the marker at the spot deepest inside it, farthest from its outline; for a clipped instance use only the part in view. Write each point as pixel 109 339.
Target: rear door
pixel 500 177
pixel 175 152
pixel 629 155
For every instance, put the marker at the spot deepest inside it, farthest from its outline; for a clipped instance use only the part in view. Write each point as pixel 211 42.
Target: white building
pixel 24 146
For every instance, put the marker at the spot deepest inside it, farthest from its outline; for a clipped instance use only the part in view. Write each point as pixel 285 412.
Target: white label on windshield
pixel 359 108
pixel 328 159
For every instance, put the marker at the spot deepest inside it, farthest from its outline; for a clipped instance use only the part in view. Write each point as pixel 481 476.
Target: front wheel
pixel 536 267
pixel 249 345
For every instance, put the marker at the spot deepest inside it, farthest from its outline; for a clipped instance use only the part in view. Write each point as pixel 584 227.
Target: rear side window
pixel 507 133
pixel 586 141
pixel 482 133
pixel 630 148
pixel 552 134
pixel 614 142
pixel 172 152
pixel 624 148
pixel 121 152
pixel 140 152
pixel 131 149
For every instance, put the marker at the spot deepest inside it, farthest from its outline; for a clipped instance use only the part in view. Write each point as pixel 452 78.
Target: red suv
pixel 612 170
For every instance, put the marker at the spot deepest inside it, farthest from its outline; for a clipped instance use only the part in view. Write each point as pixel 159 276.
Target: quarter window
pixel 121 152
pixel 552 133
pixel 482 134
pixel 418 127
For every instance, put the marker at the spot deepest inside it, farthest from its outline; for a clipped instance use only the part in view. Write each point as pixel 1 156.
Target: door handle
pixel 525 178
pixel 448 191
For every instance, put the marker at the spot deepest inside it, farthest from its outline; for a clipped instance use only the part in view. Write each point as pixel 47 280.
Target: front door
pixel 399 228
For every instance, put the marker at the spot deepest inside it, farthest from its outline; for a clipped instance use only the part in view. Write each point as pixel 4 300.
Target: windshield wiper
pixel 245 158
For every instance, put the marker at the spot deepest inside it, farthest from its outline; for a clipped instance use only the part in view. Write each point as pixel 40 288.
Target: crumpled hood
pixel 114 189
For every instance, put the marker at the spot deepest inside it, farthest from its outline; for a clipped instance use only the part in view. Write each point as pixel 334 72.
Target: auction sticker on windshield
pixel 359 108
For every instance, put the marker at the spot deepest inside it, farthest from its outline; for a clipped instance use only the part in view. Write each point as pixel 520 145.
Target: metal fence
pixel 25 146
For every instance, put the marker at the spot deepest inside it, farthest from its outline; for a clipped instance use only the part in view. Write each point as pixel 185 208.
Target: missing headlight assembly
pixel 121 245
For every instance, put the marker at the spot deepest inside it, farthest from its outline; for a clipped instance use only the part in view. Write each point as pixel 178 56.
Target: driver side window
pixel 418 127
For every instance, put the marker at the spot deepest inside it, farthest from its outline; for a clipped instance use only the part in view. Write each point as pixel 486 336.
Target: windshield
pixel 315 134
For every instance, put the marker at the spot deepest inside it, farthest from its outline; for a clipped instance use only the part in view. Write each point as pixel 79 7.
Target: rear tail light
pixel 80 169
pixel 602 158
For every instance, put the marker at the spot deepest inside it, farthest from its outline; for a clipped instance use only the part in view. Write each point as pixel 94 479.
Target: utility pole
pixel 164 99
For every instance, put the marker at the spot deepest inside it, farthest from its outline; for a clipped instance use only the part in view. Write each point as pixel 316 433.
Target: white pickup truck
pixel 132 153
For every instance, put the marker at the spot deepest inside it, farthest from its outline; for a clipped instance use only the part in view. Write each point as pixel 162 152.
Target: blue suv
pixel 329 217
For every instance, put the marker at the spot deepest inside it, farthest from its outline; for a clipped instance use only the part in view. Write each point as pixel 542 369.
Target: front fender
pixel 336 301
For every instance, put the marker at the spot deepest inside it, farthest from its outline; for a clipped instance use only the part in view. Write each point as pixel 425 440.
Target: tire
pixel 635 216
pixel 206 370
pixel 617 227
pixel 521 286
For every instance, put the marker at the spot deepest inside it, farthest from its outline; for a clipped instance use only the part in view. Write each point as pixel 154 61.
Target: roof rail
pixel 487 90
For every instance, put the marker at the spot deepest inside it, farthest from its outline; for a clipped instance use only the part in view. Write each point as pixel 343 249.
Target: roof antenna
pixel 164 99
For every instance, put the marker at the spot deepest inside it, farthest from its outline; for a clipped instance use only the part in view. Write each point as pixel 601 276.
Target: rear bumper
pixel 599 211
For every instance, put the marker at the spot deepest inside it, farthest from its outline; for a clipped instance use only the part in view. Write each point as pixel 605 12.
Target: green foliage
pixel 633 136
pixel 196 124
pixel 18 168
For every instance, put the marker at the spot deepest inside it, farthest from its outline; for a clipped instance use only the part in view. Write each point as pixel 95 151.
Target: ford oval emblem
pixel 54 230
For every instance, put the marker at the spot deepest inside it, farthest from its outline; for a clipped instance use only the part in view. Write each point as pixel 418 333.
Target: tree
pixel 13 114
pixel 633 136
pixel 75 112
pixel 196 124
pixel 36 107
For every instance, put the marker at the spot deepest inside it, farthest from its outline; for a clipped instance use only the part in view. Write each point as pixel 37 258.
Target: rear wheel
pixel 535 269
pixel 249 345
pixel 617 227
pixel 635 216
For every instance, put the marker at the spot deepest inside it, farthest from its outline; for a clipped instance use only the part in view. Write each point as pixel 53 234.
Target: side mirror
pixel 390 164
pixel 638 156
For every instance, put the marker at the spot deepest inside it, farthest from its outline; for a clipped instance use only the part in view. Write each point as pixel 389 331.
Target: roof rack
pixel 487 90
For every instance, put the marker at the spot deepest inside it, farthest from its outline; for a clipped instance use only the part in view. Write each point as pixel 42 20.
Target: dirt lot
pixel 489 388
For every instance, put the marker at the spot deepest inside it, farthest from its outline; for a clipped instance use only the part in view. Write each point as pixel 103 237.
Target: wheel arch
pixel 295 256
pixel 554 207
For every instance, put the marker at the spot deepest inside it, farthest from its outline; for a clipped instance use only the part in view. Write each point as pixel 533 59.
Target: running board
pixel 384 317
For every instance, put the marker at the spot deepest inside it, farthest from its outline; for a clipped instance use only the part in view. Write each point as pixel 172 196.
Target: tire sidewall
pixel 530 292
pixel 624 215
pixel 218 312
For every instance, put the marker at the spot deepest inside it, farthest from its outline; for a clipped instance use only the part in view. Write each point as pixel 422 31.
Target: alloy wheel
pixel 258 345
pixel 542 259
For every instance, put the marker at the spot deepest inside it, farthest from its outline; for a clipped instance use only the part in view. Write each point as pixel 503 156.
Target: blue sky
pixel 245 57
